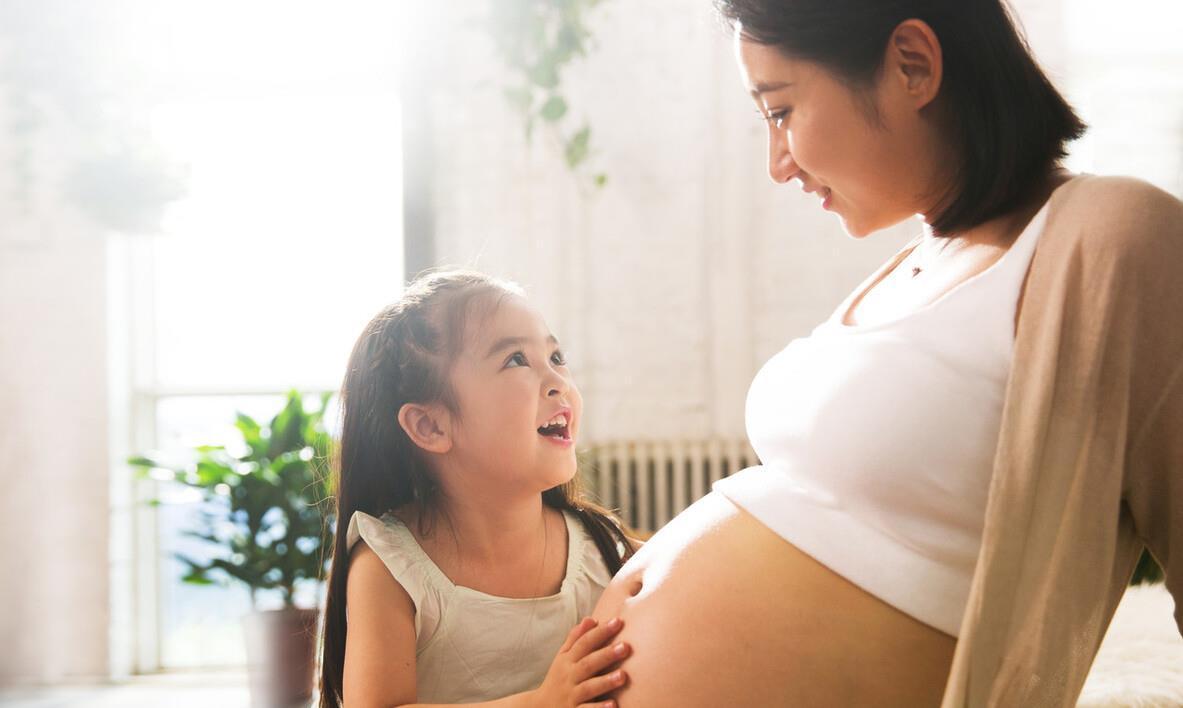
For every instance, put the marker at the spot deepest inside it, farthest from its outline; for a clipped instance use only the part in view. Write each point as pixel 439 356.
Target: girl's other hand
pixel 576 676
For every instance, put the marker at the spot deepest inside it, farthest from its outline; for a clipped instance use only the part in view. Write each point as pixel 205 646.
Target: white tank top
pixel 877 442
pixel 471 646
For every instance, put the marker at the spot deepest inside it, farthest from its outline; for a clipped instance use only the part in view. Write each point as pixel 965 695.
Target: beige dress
pixel 471 646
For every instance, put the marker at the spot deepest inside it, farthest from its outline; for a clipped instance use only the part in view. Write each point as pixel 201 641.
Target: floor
pixel 179 690
pixel 1140 664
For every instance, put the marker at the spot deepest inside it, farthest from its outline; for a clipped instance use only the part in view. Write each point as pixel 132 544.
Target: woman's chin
pixel 858 228
pixel 854 228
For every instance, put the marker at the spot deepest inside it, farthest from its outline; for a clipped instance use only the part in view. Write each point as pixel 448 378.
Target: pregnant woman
pixel 963 463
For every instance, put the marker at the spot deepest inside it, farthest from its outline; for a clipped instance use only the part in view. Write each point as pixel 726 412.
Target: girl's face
pixel 519 408
pixel 822 133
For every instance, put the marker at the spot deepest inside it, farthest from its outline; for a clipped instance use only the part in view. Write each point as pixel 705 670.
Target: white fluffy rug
pixel 1140 664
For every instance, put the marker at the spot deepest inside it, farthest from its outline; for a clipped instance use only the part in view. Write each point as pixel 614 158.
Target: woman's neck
pixel 1003 229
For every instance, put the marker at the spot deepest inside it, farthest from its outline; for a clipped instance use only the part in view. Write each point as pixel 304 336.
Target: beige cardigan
pixel 1089 467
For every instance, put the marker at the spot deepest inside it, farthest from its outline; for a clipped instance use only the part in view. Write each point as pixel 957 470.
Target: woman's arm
pixel 380 650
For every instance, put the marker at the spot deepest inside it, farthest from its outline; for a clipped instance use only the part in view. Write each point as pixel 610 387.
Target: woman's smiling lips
pixel 824 192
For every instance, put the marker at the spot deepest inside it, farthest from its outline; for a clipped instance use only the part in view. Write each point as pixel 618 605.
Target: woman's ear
pixel 429 427
pixel 914 61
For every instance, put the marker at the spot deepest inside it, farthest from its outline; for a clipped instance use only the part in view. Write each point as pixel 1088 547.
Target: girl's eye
pixel 558 359
pixel 516 359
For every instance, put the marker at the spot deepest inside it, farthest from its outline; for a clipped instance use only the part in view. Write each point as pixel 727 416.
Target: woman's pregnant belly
pixel 720 611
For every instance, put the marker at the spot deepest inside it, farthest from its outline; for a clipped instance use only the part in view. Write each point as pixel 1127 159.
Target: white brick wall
pixel 53 436
pixel 674 283
pixel 1121 67
pixel 671 285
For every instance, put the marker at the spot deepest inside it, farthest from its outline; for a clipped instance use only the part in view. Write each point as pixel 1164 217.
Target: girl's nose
pixel 781 165
pixel 557 385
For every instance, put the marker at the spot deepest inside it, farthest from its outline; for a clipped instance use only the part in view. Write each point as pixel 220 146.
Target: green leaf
pixel 569 41
pixel 520 98
pixel 207 536
pixel 287 427
pixel 577 147
pixel 554 109
pixel 600 180
pixel 248 574
pixel 536 40
pixel 281 484
pixel 1147 570
pixel 249 428
pixel 544 75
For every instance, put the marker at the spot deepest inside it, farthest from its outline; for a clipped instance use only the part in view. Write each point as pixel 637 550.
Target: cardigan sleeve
pixel 1090 460
pixel 1142 346
pixel 1155 491
pixel 1153 484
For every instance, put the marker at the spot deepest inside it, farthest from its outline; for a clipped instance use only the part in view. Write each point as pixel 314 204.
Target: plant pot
pixel 280 654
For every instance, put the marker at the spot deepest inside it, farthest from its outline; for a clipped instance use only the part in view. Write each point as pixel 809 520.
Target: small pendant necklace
pixel 923 257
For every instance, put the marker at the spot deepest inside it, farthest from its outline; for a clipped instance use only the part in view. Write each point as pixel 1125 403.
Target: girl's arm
pixel 380 642
pixel 380 650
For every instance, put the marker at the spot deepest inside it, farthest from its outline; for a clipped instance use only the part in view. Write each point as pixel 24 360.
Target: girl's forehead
pixel 511 316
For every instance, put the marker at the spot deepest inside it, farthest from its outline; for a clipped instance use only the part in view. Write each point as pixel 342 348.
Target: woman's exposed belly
pixel 720 611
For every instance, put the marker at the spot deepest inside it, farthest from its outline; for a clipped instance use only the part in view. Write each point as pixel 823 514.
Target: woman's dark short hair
pixel 1008 121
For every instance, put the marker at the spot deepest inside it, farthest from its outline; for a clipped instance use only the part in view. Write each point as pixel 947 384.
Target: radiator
pixel 648 482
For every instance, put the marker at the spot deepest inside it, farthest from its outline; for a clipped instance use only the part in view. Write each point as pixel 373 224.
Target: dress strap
pixel 396 546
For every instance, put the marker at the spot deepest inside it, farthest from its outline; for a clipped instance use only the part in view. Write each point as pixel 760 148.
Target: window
pixel 287 123
pixel 1123 74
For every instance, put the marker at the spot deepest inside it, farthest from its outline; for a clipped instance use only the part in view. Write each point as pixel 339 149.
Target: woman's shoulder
pixel 1123 202
pixel 1124 217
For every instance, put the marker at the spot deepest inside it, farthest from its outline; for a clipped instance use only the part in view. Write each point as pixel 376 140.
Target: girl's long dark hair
pixel 403 356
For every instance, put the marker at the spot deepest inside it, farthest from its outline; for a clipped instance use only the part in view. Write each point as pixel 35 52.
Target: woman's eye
pixel 517 359
pixel 558 359
pixel 778 118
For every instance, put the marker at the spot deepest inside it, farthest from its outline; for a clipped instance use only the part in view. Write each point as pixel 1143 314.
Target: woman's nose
pixel 781 166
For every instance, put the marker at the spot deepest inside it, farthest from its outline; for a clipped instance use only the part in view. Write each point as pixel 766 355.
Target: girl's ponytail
pixel 604 528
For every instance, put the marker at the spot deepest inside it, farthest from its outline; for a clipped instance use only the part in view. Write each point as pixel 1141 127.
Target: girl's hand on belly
pixel 582 670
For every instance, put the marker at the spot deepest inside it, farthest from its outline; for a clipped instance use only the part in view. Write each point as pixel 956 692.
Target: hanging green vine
pixel 537 40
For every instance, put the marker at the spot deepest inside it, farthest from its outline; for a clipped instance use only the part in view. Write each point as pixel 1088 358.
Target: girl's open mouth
pixel 558 432
pixel 557 429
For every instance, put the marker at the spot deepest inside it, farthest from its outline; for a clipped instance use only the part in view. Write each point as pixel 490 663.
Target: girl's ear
pixel 429 427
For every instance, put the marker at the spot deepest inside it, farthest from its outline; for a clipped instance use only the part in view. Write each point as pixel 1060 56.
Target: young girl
pixel 465 553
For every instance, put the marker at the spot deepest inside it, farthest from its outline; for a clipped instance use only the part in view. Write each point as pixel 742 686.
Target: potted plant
pixel 264 514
